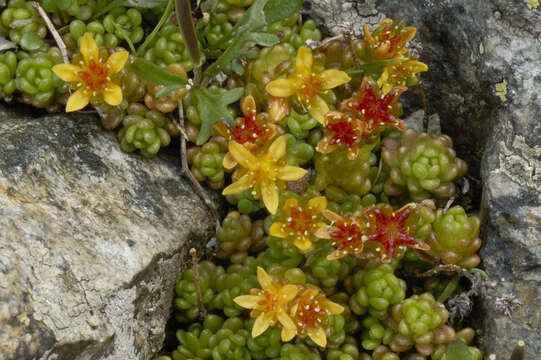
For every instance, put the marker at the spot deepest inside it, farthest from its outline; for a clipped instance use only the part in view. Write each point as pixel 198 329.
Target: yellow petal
pixel 302 244
pixel 333 308
pixel 415 66
pixel 323 233
pixel 333 78
pixel 303 62
pixel 245 182
pixel 248 105
pixel 229 162
pixel 244 157
pixel 261 324
pixel 281 88
pixel 78 100
pixel 288 292
pixel 288 327
pixel 269 194
pixel 318 336
pixel 383 77
pixel 318 108
pixel 277 149
pixel 112 94
pixel 89 49
pixel 67 72
pixel 318 203
pixel 116 61
pixel 247 301
pixel 335 255
pixel 291 173
pixel 264 279
pixel 277 229
pixel 290 203
pixel 332 216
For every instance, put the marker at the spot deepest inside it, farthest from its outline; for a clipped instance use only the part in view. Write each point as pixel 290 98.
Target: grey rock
pixel 484 72
pixel 92 241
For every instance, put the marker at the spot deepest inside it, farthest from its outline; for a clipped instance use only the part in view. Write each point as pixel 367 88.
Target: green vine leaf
pixel 152 73
pixel 247 31
pixel 458 350
pixel 213 108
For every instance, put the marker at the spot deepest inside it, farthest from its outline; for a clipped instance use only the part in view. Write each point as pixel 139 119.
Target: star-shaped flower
pixel 299 223
pixel 388 40
pixel 270 305
pixel 307 85
pixel 391 229
pixel 399 73
pixel 264 173
pixel 251 130
pixel 92 76
pixel 310 313
pixel 346 234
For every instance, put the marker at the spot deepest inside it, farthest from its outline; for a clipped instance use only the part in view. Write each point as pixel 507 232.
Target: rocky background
pixel 92 240
pixel 484 60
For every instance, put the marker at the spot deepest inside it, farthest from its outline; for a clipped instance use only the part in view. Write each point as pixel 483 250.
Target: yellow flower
pixel 270 305
pixel 388 40
pixel 263 172
pixel 399 73
pixel 307 85
pixel 310 313
pixel 300 223
pixel 92 76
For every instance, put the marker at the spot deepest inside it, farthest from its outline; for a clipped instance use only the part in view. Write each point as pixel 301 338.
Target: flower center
pixel 344 133
pixel 390 36
pixel 375 109
pixel 347 233
pixel 309 86
pixel 300 220
pixel 310 313
pixel 95 77
pixel 248 131
pixel 267 302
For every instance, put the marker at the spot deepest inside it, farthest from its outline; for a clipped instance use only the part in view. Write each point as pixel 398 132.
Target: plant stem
pixel 157 28
pixel 202 310
pixel 54 33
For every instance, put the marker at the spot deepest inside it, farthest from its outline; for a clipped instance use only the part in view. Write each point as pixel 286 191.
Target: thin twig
pixel 380 168
pixel 195 263
pixel 52 30
pixel 317 44
pixel 186 169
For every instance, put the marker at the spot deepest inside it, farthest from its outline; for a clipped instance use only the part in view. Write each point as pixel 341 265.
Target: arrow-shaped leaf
pixel 213 108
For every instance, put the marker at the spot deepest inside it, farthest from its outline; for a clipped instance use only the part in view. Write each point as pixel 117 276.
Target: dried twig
pixel 317 44
pixel 52 30
pixel 186 169
pixel 195 262
pixel 425 105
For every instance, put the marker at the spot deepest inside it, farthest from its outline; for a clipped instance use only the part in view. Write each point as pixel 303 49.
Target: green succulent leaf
pixel 247 30
pixel 458 350
pixel 56 5
pixel 213 108
pixel 31 41
pixel 151 72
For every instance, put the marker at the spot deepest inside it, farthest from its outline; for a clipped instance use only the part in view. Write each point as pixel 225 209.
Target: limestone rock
pixel 92 241
pixel 483 81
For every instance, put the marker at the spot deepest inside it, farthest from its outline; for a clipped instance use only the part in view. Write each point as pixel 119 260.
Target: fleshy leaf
pixel 458 350
pixel 264 39
pixel 213 108
pixel 276 10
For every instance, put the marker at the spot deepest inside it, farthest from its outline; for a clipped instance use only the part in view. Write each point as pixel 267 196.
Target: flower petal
pixel 302 244
pixel 264 279
pixel 245 182
pixel 318 336
pixel 112 94
pixel 289 204
pixel 116 61
pixel 247 301
pixel 277 229
pixel 281 88
pixel 303 62
pixel 229 162
pixel 243 156
pixel 290 173
pixel 332 216
pixel 248 106
pixel 288 293
pixel 323 233
pixel 289 330
pixel 269 194
pixel 78 100
pixel 277 149
pixel 332 78
pixel 67 72
pixel 89 49
pixel 261 324
pixel 333 308
pixel 318 203
pixel 318 108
